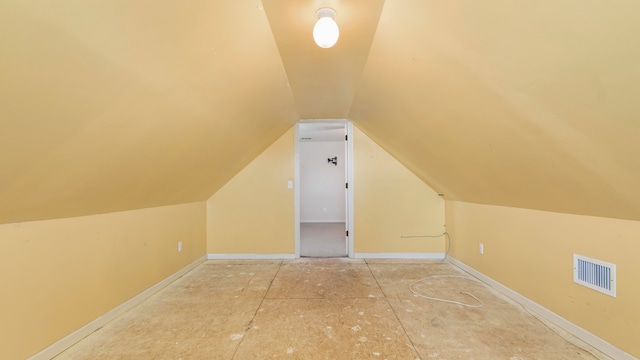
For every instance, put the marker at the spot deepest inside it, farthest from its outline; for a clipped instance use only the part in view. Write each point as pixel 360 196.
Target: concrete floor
pixel 326 309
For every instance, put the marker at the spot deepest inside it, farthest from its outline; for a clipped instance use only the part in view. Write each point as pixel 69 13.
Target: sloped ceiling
pixel 117 105
pixel 524 104
pixel 323 80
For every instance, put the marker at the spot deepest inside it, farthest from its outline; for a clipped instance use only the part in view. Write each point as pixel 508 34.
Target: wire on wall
pixel 446 253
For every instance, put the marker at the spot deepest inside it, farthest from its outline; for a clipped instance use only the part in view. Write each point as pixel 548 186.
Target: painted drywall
pixel 390 202
pixel 117 105
pixel 58 275
pixel 529 104
pixel 324 81
pixel 112 106
pixel 531 252
pixel 254 212
pixel 322 189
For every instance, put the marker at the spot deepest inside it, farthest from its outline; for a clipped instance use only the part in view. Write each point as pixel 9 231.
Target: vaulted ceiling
pixel 117 105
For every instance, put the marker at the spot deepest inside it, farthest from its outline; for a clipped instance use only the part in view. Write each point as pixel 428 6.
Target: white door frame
pixel 349 193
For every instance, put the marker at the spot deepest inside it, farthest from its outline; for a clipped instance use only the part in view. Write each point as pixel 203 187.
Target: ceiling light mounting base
pixel 326 12
pixel 326 31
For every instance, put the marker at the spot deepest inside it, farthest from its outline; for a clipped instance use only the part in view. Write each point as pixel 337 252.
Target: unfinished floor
pixel 327 309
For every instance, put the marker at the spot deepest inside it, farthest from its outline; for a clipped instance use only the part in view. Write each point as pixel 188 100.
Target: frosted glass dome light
pixel 326 32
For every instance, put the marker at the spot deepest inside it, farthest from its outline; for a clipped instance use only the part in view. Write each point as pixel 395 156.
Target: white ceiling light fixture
pixel 326 32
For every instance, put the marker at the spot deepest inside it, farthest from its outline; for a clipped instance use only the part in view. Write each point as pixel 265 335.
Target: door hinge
pixel 346 138
pixel 346 185
pixel 347 233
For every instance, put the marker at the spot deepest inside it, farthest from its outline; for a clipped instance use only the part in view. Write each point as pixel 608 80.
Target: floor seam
pixel 386 298
pixel 249 324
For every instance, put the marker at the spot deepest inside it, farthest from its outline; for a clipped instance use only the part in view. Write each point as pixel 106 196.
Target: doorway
pixel 322 197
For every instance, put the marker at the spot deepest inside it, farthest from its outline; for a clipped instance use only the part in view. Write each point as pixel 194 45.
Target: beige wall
pixel 254 212
pixel 58 275
pixel 532 251
pixel 390 201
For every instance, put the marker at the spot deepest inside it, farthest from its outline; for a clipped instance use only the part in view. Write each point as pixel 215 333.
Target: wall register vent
pixel 595 274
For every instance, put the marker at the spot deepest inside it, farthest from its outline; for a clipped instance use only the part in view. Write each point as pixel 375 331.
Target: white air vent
pixel 595 274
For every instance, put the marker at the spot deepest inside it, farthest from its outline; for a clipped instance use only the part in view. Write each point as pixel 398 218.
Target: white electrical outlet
pixel 179 246
pixel 481 248
pixel 290 184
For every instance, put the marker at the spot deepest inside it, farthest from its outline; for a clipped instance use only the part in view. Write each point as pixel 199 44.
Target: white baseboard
pixel 547 314
pixel 437 256
pixel 69 340
pixel 250 256
pixel 327 221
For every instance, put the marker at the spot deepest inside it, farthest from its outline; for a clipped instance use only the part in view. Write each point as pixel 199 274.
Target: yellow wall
pixel 254 212
pixel 532 251
pixel 58 275
pixel 389 202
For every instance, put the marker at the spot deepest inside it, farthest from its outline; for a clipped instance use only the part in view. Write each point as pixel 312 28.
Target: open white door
pixel 349 187
pixel 323 216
